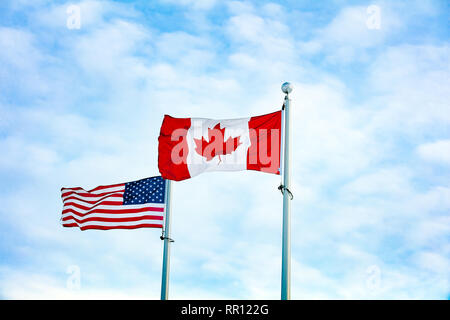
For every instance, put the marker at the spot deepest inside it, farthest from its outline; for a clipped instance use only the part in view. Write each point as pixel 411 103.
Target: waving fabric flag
pixel 131 205
pixel 190 146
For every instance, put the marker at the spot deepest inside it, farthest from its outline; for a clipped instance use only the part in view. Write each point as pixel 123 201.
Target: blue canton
pixel 149 190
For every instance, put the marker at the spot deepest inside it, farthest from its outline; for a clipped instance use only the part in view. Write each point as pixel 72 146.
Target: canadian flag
pixel 190 146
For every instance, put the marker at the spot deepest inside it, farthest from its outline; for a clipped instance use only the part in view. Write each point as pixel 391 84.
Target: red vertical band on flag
pixel 265 136
pixel 173 148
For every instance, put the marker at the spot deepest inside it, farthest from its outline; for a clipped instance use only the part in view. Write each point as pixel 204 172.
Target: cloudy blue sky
pixel 371 139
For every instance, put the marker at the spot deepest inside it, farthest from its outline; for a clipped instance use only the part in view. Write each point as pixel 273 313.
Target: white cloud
pixel 433 261
pixel 195 4
pixel 347 37
pixel 349 28
pixel 328 134
pixel 413 80
pixel 20 61
pixel 438 151
pixel 36 286
pixel 261 35
pixel 109 50
pixel 92 14
pixel 17 49
pixel 388 183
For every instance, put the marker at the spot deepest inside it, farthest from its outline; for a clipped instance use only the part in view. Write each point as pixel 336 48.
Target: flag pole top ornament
pixel 286 87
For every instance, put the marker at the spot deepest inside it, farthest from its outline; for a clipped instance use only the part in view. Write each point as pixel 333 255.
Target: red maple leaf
pixel 215 146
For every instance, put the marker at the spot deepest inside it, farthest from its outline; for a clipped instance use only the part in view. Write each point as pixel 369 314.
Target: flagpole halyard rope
pixel 164 238
pixel 283 188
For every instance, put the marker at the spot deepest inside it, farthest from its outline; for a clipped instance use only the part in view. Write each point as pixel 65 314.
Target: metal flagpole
pixel 287 197
pixel 167 241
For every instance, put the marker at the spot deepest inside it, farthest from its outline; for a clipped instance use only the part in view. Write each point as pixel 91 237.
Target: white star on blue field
pixel 84 87
pixel 148 190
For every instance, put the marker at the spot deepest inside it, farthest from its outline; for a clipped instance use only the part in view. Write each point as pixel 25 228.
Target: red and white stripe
pixel 102 208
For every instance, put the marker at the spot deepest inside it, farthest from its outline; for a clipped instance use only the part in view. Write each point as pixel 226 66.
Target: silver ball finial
pixel 286 87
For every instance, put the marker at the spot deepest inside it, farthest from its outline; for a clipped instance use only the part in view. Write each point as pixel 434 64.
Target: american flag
pixel 131 205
